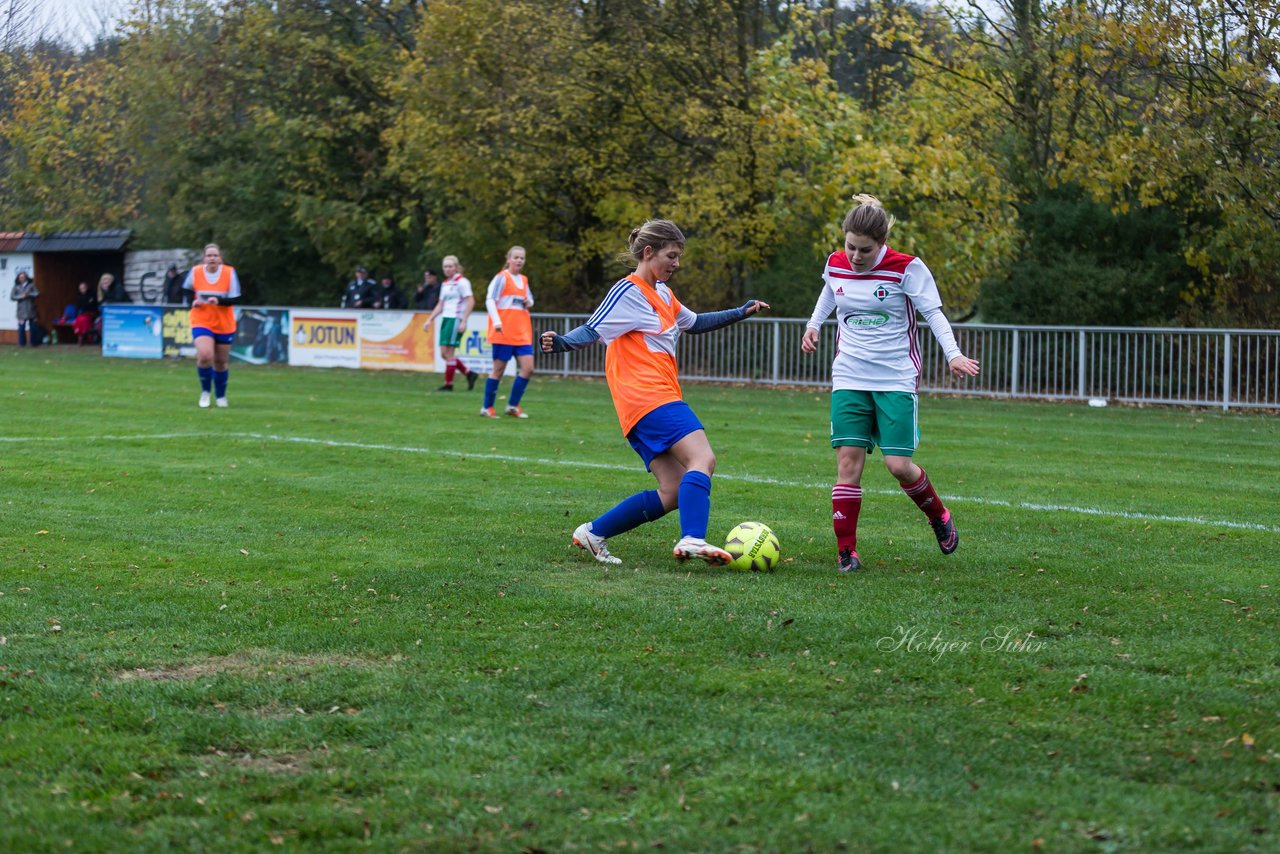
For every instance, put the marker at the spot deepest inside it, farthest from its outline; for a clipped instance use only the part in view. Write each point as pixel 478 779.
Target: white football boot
pixel 693 547
pixel 584 539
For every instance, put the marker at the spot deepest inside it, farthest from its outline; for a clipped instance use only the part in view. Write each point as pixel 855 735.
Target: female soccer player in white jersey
pixel 876 292
pixel 453 308
pixel 640 321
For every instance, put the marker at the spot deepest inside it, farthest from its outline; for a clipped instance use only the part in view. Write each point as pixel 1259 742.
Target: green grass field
pixel 346 614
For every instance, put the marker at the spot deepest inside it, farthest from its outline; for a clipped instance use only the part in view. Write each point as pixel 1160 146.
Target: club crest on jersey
pixel 880 293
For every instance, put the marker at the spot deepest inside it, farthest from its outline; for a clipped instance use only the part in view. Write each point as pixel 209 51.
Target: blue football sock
pixel 517 391
pixel 490 391
pixel 206 378
pixel 695 504
pixel 629 513
pixel 220 383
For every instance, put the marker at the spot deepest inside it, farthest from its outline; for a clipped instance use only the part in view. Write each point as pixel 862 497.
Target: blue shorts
pixel 219 337
pixel 504 352
pixel 656 432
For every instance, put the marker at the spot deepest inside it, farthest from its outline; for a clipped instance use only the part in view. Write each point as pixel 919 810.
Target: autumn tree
pixel 1201 135
pixel 64 155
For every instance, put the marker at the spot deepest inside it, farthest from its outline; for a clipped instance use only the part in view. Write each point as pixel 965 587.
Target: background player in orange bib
pixel 212 288
pixel 640 322
pixel 510 333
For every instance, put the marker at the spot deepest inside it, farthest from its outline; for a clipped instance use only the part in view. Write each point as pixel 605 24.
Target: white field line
pixel 553 462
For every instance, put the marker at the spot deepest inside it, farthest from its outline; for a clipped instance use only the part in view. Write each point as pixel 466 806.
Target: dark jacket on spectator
pixel 173 294
pixel 117 293
pixel 86 303
pixel 426 297
pixel 359 293
pixel 388 296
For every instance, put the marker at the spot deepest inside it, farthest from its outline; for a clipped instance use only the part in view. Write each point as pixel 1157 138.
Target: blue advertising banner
pixel 132 331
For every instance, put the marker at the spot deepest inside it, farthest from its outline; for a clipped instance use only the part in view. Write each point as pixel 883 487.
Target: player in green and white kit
pixel 454 307
pixel 876 292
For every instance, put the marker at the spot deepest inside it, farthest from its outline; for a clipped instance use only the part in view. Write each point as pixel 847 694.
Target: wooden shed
pixel 61 261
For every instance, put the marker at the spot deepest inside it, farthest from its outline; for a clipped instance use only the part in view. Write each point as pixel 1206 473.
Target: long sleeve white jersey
pixel 876 345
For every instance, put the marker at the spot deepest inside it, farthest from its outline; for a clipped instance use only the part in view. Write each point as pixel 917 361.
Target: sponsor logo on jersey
pixel 870 318
pixel 840 291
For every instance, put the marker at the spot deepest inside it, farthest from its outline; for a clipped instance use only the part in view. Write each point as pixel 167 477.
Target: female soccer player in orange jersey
pixel 640 321
pixel 508 301
pixel 212 289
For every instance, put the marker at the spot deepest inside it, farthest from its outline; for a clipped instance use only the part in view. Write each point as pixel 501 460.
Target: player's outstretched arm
pixel 710 320
pixel 574 339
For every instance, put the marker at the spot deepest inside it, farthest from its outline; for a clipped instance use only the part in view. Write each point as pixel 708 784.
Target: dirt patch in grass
pixel 261 763
pixel 242 664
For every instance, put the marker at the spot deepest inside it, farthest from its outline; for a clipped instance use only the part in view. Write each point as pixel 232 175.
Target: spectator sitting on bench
pixel 86 313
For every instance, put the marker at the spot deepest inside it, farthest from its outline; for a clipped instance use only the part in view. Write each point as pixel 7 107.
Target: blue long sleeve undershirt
pixel 710 320
pixel 585 336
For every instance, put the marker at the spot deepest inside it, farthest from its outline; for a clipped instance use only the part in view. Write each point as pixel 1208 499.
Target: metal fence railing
pixel 1227 368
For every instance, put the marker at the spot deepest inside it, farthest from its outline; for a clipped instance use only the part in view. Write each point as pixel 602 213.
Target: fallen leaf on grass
pixel 42 532
pixel 492 810
pixel 1247 741
pixel 244 551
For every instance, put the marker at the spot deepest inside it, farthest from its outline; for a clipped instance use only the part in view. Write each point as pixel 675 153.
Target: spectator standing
pixel 428 292
pixel 111 290
pixel 24 293
pixel 388 296
pixel 173 286
pixel 359 292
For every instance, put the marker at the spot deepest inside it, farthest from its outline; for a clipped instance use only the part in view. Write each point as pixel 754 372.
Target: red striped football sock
pixel 449 371
pixel 846 501
pixel 925 496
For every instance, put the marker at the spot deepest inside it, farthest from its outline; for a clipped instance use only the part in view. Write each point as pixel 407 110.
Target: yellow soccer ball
pixel 754 548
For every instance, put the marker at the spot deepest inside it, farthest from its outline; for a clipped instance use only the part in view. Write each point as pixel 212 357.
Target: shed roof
pixel 9 240
pixel 76 241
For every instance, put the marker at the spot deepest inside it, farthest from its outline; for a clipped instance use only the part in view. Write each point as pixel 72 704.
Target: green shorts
pixel 451 329
pixel 865 419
